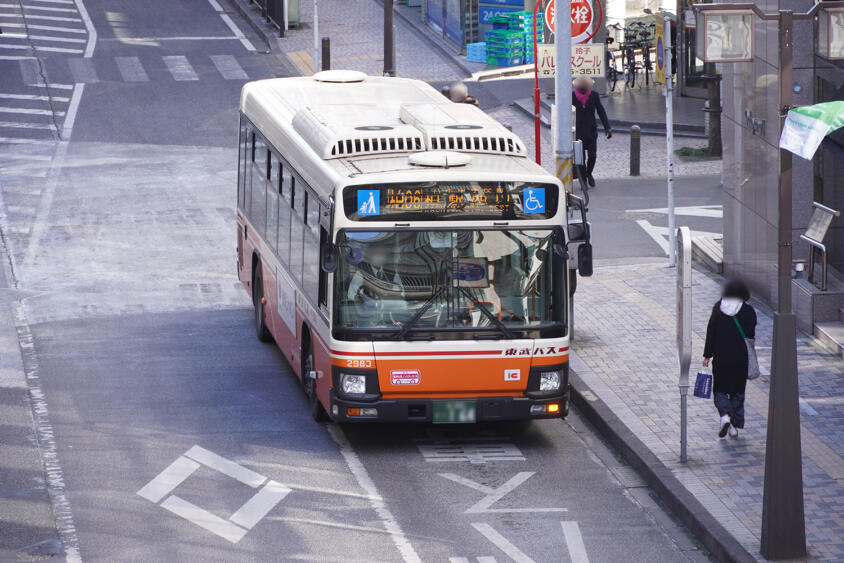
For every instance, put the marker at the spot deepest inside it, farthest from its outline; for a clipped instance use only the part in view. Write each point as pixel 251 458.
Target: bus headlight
pixel 352 384
pixel 549 381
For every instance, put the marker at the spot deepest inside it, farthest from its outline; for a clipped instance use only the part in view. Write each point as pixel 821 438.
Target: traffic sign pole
pixel 669 142
pixel 536 121
pixel 562 94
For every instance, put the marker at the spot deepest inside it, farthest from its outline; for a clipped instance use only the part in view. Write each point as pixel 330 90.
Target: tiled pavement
pixel 357 42
pixel 624 351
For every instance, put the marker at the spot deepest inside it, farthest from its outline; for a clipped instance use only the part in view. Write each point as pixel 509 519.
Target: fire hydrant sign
pixel 586 60
pixel 586 16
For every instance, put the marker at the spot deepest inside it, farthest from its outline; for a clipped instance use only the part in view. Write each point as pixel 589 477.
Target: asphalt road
pixel 179 437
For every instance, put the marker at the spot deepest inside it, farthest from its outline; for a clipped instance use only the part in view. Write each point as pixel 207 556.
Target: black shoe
pixel 591 180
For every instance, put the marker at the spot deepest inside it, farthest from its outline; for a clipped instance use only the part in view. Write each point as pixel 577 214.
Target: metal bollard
pixel 326 53
pixel 635 149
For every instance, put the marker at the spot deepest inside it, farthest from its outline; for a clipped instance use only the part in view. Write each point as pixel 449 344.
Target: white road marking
pixel 502 543
pixel 487 559
pixel 495 495
pixel 45 433
pixel 131 69
pixel 328 524
pixel 32 97
pixel 46 28
pixel 173 476
pixel 89 27
pixel 27 125
pixel 715 211
pixel 365 481
pixel 260 505
pixel 458 560
pixel 153 40
pixel 180 68
pixel 15 141
pixel 52 1
pixel 50 18
pixel 474 450
pixel 660 234
pixel 57 39
pixel 60 86
pixel 83 70
pixel 204 519
pixel 44 204
pixel 574 541
pixel 239 523
pixel 228 67
pixel 29 111
pixel 41 48
pixel 225 466
pixel 45 8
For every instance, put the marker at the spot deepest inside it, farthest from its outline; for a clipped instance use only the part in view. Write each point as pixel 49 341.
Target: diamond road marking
pixel 239 523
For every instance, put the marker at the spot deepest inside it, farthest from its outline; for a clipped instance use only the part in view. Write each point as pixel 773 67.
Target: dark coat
pixel 726 346
pixel 585 125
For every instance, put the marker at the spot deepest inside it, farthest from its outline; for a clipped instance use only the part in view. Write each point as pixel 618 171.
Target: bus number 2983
pixel 358 363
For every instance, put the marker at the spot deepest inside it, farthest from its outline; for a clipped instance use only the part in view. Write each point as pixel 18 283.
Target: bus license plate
pixel 455 412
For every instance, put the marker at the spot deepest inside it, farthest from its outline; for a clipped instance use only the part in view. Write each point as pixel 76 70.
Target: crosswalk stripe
pixel 45 8
pixel 34 17
pixel 229 68
pixel 17 141
pixel 33 97
pixel 180 68
pixel 83 70
pixel 131 69
pixel 46 28
pixel 57 39
pixel 60 86
pixel 57 49
pixel 52 1
pixel 31 111
pixel 27 125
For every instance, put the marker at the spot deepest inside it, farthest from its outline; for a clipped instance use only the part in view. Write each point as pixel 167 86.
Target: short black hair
pixel 736 289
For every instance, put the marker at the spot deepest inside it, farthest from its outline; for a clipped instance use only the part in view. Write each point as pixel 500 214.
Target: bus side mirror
pixel 577 233
pixel 329 258
pixel 584 259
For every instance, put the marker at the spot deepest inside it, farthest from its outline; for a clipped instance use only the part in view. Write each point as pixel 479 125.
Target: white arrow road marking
pixel 574 541
pixel 502 543
pixel 660 234
pixel 494 495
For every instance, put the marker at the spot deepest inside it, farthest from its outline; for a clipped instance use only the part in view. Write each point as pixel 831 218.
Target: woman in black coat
pixel 725 346
pixel 586 102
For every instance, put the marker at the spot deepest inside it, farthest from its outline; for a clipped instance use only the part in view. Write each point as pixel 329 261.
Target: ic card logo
pixel 512 374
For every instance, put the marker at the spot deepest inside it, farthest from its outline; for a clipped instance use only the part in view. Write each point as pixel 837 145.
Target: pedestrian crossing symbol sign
pixel 369 202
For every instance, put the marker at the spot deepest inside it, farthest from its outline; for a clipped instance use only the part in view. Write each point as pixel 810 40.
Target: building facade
pixel 751 130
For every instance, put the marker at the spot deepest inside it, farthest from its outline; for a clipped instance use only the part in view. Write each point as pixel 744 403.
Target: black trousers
pixel 590 152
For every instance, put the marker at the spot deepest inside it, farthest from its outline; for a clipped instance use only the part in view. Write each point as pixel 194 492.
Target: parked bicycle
pixel 612 71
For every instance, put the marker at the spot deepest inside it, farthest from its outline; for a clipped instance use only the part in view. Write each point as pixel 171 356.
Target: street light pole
pixel 389 40
pixel 783 519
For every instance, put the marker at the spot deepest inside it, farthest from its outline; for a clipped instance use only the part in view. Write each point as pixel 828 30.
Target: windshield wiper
pixel 492 318
pixel 422 310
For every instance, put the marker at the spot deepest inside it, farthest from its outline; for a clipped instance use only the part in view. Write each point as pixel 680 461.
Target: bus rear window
pixel 464 201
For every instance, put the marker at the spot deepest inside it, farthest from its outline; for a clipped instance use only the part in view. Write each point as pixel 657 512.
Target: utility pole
pixel 316 36
pixel 389 40
pixel 669 144
pixel 562 93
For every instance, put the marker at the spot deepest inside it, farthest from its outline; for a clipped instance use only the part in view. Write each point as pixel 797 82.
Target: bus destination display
pixel 469 200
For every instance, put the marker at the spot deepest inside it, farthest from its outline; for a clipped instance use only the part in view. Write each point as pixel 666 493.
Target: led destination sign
pixel 454 200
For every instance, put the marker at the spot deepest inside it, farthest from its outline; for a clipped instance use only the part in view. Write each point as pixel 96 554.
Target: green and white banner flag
pixel 805 127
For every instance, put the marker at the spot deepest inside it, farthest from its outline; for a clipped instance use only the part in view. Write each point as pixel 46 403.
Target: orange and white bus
pixel 403 252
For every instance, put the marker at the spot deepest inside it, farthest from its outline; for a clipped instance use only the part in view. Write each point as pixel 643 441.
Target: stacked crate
pixel 523 23
pixel 510 42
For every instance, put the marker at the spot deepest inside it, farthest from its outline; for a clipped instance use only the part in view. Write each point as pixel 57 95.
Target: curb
pixel 682 503
pixel 427 36
pixel 252 17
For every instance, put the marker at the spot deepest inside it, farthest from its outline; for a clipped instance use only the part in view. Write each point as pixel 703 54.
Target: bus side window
pixel 249 157
pixel 258 212
pixel 272 202
pixel 243 145
pixel 311 273
pixel 285 188
pixel 297 230
pixel 323 275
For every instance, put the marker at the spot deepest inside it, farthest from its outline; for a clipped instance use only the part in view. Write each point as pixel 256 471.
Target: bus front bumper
pixel 422 410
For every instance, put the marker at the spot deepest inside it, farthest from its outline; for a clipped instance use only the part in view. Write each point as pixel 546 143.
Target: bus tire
pixel 261 329
pixel 309 383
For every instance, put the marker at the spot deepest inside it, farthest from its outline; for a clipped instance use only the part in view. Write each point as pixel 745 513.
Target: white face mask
pixel 731 305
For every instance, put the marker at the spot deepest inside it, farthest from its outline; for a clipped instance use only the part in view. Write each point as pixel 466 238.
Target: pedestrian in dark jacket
pixel 726 348
pixel 586 103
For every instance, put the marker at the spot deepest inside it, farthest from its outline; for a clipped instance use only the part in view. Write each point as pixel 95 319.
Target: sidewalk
pixel 624 357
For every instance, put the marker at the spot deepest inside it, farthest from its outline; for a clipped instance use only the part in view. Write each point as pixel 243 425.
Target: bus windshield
pixel 402 284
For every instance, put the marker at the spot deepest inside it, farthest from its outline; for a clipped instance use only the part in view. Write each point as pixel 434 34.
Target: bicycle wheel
pixel 633 72
pixel 612 78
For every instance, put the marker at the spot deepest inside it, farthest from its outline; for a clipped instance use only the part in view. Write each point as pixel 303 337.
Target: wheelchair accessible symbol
pixel 534 199
pixel 369 202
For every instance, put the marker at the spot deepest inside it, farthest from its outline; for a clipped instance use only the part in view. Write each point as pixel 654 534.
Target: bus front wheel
pixel 317 411
pixel 261 329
